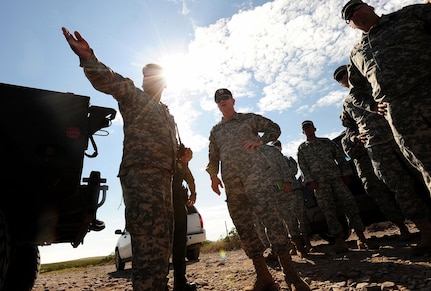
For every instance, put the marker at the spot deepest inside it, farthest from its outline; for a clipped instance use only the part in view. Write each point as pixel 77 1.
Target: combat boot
pixel 340 245
pixel 424 246
pixel 264 280
pixel 365 244
pixel 292 278
pixel 299 244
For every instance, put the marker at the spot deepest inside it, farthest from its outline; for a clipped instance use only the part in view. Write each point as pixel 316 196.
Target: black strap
pixel 93 143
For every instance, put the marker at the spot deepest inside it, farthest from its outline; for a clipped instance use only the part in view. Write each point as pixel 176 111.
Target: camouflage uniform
pixel 323 162
pixel 384 156
pixel 245 176
pixel 147 166
pixel 395 58
pixel 295 203
pixel 180 197
pixel 279 173
pixel 290 205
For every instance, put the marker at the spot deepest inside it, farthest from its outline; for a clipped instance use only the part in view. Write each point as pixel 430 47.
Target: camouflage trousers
pixel 377 189
pixel 147 194
pixel 391 167
pixel 333 194
pixel 410 119
pixel 248 196
pixel 292 209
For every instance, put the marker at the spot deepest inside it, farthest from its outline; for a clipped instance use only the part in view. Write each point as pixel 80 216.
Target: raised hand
pixel 79 45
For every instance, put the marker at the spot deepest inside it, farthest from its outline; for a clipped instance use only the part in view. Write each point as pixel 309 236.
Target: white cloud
pixel 287 49
pixel 334 98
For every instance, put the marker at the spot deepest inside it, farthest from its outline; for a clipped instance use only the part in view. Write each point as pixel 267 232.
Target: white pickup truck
pixel 196 235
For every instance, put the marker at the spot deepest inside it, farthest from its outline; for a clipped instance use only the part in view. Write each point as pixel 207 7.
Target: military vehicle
pixel 45 200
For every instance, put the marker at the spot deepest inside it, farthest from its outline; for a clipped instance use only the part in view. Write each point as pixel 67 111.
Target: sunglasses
pixel 340 76
pixel 349 13
pixel 222 97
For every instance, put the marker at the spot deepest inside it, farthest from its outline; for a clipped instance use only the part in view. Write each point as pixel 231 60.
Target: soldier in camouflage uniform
pixel 147 166
pixel 181 199
pixel 365 133
pixel 279 174
pixel 392 63
pixel 233 144
pixel 281 184
pixel 326 171
pixel 292 201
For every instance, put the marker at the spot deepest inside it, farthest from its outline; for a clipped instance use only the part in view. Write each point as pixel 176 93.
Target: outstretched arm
pixel 79 45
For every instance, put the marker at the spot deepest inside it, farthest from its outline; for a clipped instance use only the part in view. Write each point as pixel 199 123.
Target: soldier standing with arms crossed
pixel 147 166
pixel 233 144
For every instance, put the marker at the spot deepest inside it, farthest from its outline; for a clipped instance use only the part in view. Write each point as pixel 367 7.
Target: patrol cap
pixel 347 11
pixel 276 143
pixel 221 92
pixel 339 71
pixel 307 123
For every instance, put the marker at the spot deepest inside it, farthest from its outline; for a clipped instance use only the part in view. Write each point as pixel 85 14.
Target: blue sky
pixel 277 58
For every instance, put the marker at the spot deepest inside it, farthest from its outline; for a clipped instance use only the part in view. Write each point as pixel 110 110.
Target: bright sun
pixel 180 72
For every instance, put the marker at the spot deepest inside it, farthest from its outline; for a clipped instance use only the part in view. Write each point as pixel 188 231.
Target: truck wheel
pixel 23 268
pixel 4 248
pixel 119 264
pixel 193 252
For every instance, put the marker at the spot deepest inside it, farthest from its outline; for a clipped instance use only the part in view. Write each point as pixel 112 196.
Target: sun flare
pixel 180 72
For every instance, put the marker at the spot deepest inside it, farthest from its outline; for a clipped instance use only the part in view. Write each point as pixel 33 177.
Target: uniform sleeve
pixel 105 80
pixel 348 142
pixel 360 90
pixel 304 167
pixel 271 130
pixel 292 168
pixel 346 118
pixel 190 180
pixel 340 158
pixel 283 166
pixel 214 158
pixel 351 148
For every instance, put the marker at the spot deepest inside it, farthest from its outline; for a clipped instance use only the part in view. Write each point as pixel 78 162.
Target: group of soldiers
pixel 387 116
pixel 387 110
pixel 388 77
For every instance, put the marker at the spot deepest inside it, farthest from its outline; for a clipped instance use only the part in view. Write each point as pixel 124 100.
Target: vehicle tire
pixel 23 269
pixel 193 252
pixel 119 264
pixel 4 248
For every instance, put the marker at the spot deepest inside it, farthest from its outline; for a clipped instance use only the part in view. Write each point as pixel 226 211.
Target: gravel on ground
pixel 391 267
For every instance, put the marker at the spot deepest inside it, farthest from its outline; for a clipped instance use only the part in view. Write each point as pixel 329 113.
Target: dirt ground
pixel 391 267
